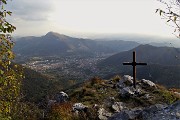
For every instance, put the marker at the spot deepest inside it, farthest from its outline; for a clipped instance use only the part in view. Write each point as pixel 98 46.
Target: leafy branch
pixel 171 14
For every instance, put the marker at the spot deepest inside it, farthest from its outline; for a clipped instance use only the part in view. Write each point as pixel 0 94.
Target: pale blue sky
pixel 74 17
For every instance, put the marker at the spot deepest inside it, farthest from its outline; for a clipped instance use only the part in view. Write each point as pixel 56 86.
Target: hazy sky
pixel 37 17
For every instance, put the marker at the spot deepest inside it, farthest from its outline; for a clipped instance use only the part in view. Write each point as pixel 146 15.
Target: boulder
pixel 61 97
pixel 125 81
pixel 119 116
pixel 148 82
pixel 127 78
pixel 103 114
pixel 127 91
pixel 134 113
pixel 130 91
pixel 138 91
pixel 127 114
pixel 154 112
pixel 162 112
pixel 118 106
pixel 79 107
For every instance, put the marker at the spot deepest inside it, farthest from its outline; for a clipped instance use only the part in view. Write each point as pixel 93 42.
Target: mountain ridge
pixel 162 61
pixel 57 44
pixel 147 53
pixel 51 44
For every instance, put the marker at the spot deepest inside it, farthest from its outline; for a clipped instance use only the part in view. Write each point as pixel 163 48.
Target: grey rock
pixel 134 113
pixel 61 97
pixel 127 114
pixel 154 112
pixel 120 116
pixel 162 112
pixel 120 84
pixel 127 91
pixel 138 91
pixel 130 91
pixel 79 107
pixel 103 114
pixel 118 106
pixel 148 82
pixel 127 78
pixel 155 108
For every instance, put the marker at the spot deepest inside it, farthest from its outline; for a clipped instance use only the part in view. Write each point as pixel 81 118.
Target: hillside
pixel 147 53
pixel 118 45
pixel 115 99
pixel 162 61
pixel 35 86
pixel 100 99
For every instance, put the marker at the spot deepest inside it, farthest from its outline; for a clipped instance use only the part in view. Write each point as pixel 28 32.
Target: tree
pixel 10 74
pixel 171 13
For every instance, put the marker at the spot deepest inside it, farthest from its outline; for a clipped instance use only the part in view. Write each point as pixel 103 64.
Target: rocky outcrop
pixel 121 111
pixel 119 100
pixel 126 114
pixel 126 80
pixel 162 112
pixel 79 107
pixel 61 97
pixel 148 82
pixel 126 89
pixel 103 114
pixel 58 98
pixel 118 106
pixel 154 112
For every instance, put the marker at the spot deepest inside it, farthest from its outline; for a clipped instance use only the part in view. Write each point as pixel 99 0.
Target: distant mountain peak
pixel 55 34
pixel 52 33
pixel 145 45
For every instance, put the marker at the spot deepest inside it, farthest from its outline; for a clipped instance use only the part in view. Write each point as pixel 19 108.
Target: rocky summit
pixel 117 99
pixel 154 112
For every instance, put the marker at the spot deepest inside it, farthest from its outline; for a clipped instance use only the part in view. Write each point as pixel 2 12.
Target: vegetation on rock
pixel 105 95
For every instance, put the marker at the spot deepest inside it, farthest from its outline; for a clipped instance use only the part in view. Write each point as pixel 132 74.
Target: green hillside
pixel 104 99
pixel 163 64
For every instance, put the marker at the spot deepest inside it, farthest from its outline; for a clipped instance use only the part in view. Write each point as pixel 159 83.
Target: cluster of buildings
pixel 72 66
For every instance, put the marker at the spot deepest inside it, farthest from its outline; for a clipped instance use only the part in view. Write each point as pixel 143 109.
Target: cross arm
pixel 127 63
pixel 141 63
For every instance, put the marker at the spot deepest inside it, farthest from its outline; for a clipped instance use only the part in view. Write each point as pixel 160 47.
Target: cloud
pixel 30 10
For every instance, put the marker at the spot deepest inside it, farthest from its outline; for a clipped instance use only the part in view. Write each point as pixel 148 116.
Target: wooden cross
pixel 134 63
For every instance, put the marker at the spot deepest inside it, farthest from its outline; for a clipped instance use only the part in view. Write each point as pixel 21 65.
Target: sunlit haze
pixel 88 17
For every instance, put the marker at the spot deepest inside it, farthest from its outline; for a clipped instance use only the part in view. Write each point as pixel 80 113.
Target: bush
pixel 96 80
pixel 61 111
